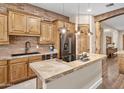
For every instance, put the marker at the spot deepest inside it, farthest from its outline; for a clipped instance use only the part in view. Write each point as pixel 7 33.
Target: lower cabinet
pixel 121 64
pixel 17 70
pixel 33 59
pixel 3 73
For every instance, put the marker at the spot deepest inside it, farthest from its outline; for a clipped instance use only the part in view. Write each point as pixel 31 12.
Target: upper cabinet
pixel 83 39
pixel 17 23
pixel 3 30
pixel 70 26
pixel 22 24
pixel 47 33
pixel 33 25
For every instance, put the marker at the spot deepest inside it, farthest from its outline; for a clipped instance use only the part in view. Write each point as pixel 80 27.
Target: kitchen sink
pixel 22 54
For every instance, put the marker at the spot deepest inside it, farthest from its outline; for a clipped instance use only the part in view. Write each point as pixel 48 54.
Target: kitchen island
pixel 57 74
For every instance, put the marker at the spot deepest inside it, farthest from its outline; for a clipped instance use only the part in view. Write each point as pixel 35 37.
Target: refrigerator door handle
pixel 70 45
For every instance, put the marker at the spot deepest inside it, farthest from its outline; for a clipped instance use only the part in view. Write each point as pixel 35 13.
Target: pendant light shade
pixel 90 21
pixel 63 29
pixel 78 19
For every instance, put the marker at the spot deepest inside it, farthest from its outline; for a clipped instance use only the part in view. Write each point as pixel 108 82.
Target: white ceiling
pixel 71 9
pixel 116 22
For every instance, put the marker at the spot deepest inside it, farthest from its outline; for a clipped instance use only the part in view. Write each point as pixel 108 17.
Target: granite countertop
pixel 52 69
pixel 9 57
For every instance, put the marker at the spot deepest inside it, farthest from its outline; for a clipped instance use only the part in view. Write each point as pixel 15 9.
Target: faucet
pixel 27 46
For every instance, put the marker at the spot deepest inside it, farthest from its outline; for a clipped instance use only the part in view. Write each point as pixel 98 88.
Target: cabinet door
pixel 84 39
pixel 72 28
pixel 121 65
pixel 33 59
pixel 46 33
pixel 3 75
pixel 43 36
pixel 17 72
pixel 17 23
pixel 3 30
pixel 67 25
pixel 33 25
pixel 50 33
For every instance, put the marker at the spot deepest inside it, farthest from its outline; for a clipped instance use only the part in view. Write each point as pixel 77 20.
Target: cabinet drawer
pixel 35 58
pixel 3 62
pixel 18 60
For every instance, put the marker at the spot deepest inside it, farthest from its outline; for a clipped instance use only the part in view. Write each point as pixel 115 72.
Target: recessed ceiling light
pixel 89 10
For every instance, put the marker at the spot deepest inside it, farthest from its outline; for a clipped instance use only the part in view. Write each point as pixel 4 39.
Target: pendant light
pixel 78 27
pixel 63 29
pixel 89 10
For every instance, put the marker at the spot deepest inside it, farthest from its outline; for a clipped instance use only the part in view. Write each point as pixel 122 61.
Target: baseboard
pixel 96 84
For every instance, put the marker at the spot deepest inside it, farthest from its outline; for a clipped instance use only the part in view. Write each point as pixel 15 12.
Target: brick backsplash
pixel 17 45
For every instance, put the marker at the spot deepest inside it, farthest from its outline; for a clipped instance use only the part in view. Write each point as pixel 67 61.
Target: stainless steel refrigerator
pixel 68 47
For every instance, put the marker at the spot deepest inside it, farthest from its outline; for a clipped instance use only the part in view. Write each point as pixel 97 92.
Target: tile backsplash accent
pixel 17 45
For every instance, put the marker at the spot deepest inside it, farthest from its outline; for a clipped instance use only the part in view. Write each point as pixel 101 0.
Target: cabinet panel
pixel 3 30
pixel 33 59
pixel 84 39
pixel 18 60
pixel 46 33
pixel 72 28
pixel 3 62
pixel 33 25
pixel 3 75
pixel 17 72
pixel 121 64
pixel 17 23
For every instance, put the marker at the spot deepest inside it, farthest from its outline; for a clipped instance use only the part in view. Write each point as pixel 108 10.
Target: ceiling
pixel 116 22
pixel 71 9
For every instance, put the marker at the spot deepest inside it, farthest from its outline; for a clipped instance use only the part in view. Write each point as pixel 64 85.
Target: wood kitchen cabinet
pixel 17 23
pixel 33 59
pixel 3 73
pixel 72 28
pixel 23 24
pixel 83 39
pixel 18 70
pixel 3 30
pixel 33 25
pixel 46 33
pixel 121 63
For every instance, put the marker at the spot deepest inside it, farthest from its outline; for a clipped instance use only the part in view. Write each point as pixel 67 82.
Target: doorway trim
pixel 98 19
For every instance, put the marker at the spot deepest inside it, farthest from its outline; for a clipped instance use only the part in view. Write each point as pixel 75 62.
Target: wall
pixel 17 43
pixel 86 19
pixel 30 9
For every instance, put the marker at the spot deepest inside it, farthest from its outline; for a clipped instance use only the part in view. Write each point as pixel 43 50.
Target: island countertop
pixel 49 70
